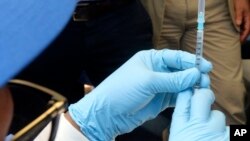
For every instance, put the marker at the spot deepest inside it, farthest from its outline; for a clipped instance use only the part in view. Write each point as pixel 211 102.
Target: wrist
pixel 67 131
pixel 91 117
pixel 71 121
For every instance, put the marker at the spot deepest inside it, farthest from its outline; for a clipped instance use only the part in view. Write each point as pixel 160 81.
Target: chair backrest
pixel 34 107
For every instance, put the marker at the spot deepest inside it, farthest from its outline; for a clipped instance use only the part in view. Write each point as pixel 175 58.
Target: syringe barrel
pixel 201 15
pixel 201 6
pixel 200 36
pixel 199 48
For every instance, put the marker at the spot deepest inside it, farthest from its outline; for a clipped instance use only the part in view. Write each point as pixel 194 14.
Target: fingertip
pixel 238 22
pixel 219 115
pixel 206 66
pixel 238 19
pixel 218 118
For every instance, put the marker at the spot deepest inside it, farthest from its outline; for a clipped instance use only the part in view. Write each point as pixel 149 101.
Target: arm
pixel 6 111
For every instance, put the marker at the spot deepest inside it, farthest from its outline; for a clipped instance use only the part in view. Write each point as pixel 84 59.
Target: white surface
pixel 65 132
pixel 44 135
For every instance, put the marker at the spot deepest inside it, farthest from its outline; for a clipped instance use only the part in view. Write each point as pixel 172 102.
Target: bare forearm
pixel 6 111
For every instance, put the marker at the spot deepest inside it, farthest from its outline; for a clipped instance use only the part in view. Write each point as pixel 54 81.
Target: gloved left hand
pixel 138 91
pixel 193 119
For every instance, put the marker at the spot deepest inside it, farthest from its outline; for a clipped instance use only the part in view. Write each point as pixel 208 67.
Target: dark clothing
pixel 113 38
pixel 98 46
pixel 245 50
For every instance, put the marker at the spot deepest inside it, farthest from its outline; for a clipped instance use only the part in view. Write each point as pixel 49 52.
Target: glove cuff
pixel 93 118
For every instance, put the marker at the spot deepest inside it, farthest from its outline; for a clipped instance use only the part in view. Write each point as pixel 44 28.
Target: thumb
pixel 175 82
pixel 182 110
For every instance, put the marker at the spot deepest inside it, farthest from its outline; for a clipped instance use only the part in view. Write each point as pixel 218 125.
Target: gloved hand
pixel 193 119
pixel 138 91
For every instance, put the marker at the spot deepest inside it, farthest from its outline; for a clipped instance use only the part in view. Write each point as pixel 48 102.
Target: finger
pixel 201 105
pixel 180 60
pixel 205 81
pixel 246 28
pixel 217 121
pixel 174 82
pixel 238 14
pixel 182 110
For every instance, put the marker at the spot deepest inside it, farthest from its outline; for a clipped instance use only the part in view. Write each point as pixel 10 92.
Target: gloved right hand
pixel 138 91
pixel 193 119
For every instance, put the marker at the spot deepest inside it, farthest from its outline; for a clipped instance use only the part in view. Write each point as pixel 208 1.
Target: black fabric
pixel 112 39
pixel 90 10
pixel 245 50
pixel 59 66
pixel 98 47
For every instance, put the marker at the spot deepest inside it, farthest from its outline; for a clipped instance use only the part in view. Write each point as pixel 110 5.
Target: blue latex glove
pixel 193 119
pixel 138 91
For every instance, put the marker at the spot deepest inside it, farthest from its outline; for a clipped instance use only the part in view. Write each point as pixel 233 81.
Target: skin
pixel 242 17
pixel 6 111
pixel 71 121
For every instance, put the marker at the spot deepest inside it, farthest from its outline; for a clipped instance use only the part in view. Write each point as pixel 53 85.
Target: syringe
pixel 200 36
